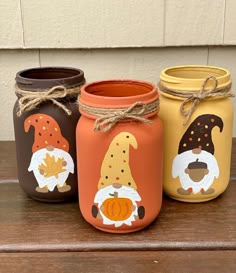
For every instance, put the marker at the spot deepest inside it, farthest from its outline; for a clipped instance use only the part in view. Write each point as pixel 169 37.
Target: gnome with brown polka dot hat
pixel 51 163
pixel 195 165
pixel 117 196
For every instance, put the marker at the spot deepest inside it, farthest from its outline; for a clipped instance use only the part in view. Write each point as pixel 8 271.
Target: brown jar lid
pixel 41 78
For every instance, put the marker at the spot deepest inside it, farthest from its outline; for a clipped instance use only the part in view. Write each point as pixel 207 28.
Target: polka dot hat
pixel 47 132
pixel 198 134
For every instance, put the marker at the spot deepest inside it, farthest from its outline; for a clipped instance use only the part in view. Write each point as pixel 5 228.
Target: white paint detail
pixel 125 192
pixel 180 163
pixel 51 182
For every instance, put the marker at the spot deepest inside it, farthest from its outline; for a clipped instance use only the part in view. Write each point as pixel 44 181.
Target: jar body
pixel 46 150
pixel 120 177
pixel 196 155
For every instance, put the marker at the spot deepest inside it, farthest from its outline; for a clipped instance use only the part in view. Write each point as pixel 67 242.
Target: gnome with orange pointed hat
pixel 50 162
pixel 117 196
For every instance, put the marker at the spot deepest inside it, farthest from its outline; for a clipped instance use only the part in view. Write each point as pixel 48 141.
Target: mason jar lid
pixel 41 78
pixel 192 77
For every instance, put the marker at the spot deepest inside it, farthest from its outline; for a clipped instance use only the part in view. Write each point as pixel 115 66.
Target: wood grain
pixel 27 225
pixel 117 262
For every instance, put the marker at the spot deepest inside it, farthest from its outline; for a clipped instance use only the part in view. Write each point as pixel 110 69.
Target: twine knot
pixel 29 100
pixel 194 98
pixel 135 111
pixel 108 117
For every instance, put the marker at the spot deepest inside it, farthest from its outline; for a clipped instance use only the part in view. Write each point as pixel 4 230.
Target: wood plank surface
pixel 27 226
pixel 117 262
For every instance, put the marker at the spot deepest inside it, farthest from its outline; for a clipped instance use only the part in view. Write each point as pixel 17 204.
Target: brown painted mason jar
pixel 45 117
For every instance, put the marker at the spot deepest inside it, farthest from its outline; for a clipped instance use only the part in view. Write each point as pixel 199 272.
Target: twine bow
pixel 108 117
pixel 194 98
pixel 135 111
pixel 29 100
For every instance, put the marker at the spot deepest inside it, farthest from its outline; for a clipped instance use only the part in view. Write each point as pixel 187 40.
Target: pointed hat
pixel 198 134
pixel 47 132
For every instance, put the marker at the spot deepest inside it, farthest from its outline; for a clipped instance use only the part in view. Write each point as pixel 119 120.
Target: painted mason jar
pixel 197 114
pixel 119 148
pixel 45 117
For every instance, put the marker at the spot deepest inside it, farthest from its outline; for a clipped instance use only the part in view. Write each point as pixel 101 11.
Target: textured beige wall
pixel 112 39
pixel 99 64
pixel 116 23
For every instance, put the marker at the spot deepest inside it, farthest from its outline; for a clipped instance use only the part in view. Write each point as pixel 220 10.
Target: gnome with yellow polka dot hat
pixel 117 196
pixel 195 164
pixel 51 163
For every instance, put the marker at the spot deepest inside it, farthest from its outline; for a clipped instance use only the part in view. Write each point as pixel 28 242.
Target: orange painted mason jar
pixel 197 115
pixel 119 150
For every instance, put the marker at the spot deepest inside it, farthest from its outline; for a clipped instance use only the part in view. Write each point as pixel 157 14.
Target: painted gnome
pixel 50 162
pixel 195 164
pixel 117 194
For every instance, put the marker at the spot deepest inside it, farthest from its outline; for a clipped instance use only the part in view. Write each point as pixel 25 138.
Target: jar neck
pixel 45 78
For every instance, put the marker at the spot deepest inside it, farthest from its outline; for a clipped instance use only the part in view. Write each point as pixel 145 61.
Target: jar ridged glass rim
pixel 116 101
pixel 188 83
pixel 70 77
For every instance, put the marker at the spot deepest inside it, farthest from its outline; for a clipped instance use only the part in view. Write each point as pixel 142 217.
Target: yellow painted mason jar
pixel 197 114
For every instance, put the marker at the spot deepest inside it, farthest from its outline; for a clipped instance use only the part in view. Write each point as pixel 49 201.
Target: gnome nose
pixel 196 151
pixel 116 185
pixel 50 148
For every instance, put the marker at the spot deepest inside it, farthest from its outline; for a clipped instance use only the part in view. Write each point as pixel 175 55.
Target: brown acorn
pixel 197 170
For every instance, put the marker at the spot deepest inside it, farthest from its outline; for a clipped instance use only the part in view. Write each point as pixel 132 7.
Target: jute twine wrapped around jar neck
pixel 194 98
pixel 106 118
pixel 29 100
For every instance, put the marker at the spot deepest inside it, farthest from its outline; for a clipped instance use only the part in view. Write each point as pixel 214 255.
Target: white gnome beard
pixel 123 192
pixel 180 163
pixel 51 182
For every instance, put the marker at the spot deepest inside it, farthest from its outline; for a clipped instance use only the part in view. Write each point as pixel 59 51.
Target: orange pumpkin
pixel 117 209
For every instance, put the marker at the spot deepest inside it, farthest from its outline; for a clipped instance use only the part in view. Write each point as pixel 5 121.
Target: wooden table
pixel 38 237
